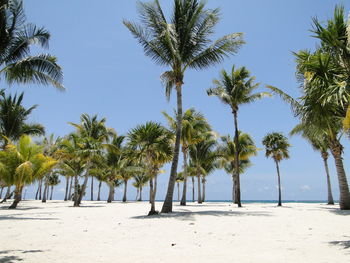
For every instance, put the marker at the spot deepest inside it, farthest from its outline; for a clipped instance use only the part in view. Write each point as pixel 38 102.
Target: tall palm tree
pixel 20 164
pixel 181 42
pixel 193 125
pixel 276 145
pixel 319 142
pixel 16 63
pixel 227 152
pixel 153 144
pixel 236 89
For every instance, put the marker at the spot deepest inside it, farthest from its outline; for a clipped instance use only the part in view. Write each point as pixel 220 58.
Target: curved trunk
pixel 236 167
pixel 7 195
pixel 192 189
pixel 329 187
pixel 140 196
pixel 37 191
pixel 168 202
pixel 18 197
pixel 45 191
pixel 51 192
pixel 344 199
pixel 99 191
pixel 67 187
pixel 92 188
pixel 199 189
pixel 110 194
pixel 203 188
pixel 125 188
pixel 70 188
pixel 81 193
pixel 279 184
pixel 184 188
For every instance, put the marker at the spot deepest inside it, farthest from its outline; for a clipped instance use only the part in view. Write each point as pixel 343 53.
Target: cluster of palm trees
pixel 183 41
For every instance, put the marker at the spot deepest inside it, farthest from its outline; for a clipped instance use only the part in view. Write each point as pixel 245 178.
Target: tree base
pixel 151 213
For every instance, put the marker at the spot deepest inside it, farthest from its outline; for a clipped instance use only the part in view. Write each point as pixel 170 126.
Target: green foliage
pixel 276 146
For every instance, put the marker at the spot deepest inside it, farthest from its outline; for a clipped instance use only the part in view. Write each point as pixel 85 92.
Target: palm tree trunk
pixel 168 202
pixel 153 206
pixel 7 195
pixel 40 189
pixel 51 192
pixel 67 186
pixel 329 187
pixel 45 191
pixel 237 183
pixel 2 188
pixel 137 194
pixel 203 190
pixel 18 197
pixel 70 188
pixel 199 189
pixel 178 191
pixel 184 189
pixel 344 199
pixel 155 186
pixel 234 185
pixel 192 189
pixel 83 188
pixel 37 191
pixel 140 197
pixel 111 193
pixel 125 188
pixel 92 188
pixel 99 191
pixel 279 184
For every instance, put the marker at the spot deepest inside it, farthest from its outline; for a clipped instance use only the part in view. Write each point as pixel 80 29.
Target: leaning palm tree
pixel 236 89
pixel 20 164
pixel 181 42
pixel 318 141
pixel 16 63
pixel 152 143
pixel 194 124
pixel 227 152
pixel 276 145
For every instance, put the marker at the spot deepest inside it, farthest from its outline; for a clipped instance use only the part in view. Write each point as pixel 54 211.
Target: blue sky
pixel 106 73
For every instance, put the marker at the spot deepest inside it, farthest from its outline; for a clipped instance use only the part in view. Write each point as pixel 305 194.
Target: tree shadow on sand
pixel 15 217
pixel 337 211
pixel 187 215
pixel 343 244
pixel 6 257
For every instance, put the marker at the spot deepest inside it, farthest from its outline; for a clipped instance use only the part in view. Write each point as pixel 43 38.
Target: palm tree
pixel 277 145
pixel 236 89
pixel 179 178
pixel 193 125
pixel 13 125
pixel 20 164
pixel 181 42
pixel 203 155
pixel 227 152
pixel 140 181
pixel 16 63
pixel 93 134
pixel 53 180
pixel 319 142
pixel 151 142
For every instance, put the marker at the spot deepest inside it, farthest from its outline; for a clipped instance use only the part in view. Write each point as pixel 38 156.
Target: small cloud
pixel 305 188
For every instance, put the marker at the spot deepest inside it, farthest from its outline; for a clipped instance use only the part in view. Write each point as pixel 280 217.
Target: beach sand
pixel 212 232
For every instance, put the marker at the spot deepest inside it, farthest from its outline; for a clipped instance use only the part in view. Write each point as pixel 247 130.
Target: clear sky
pixel 106 73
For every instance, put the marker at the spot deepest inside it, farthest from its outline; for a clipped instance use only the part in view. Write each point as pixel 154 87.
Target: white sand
pixel 213 232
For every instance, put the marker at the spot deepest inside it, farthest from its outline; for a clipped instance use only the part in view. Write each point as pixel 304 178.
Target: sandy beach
pixel 212 232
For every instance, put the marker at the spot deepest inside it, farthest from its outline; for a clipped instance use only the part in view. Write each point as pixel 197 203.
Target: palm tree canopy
pixel 16 63
pixel 236 88
pixel 183 40
pixel 276 145
pixel 13 116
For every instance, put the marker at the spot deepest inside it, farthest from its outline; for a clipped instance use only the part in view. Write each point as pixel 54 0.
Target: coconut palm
pixel 202 155
pixel 276 146
pixel 227 151
pixel 236 89
pixel 22 163
pixel 53 180
pixel 318 141
pixel 16 63
pixel 153 144
pixel 139 182
pixel 181 42
pixel 93 134
pixel 193 125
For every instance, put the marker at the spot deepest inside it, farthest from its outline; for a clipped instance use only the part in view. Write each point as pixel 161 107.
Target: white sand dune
pixel 213 232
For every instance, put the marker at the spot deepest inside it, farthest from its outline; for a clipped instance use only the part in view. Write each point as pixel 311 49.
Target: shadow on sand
pixel 187 215
pixel 337 211
pixel 6 257
pixel 343 244
pixel 16 217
